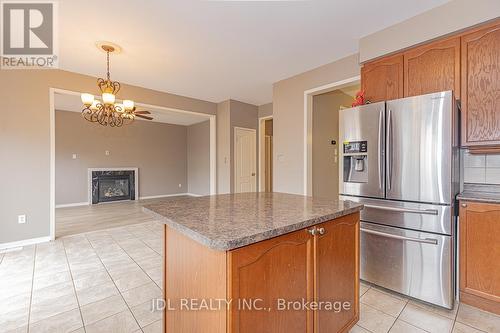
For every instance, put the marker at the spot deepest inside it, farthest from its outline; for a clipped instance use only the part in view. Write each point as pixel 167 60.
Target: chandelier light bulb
pixel 108 98
pixel 94 104
pixel 128 104
pixel 87 99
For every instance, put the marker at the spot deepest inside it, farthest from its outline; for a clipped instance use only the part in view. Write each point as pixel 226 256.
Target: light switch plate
pixel 21 219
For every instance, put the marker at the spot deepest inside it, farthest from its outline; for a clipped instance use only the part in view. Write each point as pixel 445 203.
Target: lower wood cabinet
pixel 480 255
pixel 337 272
pixel 269 282
pixel 279 268
pixel 317 264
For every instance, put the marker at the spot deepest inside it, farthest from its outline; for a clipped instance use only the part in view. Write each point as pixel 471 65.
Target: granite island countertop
pixel 480 193
pixel 228 221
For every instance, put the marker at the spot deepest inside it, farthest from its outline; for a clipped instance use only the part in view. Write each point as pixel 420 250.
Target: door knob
pixel 253 174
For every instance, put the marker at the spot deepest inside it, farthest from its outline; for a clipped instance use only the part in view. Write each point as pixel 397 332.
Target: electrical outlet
pixel 180 185
pixel 21 219
pixel 74 156
pixel 106 152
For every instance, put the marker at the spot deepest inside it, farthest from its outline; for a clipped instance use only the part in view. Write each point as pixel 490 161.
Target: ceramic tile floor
pixel 105 281
pixel 101 281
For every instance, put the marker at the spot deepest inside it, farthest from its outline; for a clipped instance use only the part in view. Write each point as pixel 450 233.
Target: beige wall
pixel 288 116
pixel 25 142
pixel 266 110
pixel 223 147
pixel 198 158
pixel 453 16
pixel 158 150
pixel 325 128
pixel 230 114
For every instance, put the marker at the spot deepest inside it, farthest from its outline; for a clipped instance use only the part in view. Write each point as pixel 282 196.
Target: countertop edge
pixel 248 240
pixel 477 197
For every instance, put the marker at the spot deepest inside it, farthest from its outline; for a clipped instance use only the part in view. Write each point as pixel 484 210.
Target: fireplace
pixel 113 185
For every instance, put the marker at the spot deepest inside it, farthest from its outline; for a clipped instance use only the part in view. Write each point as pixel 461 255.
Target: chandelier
pixel 107 111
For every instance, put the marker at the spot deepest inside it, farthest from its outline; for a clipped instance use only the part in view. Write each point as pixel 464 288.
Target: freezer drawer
pixel 409 215
pixel 417 264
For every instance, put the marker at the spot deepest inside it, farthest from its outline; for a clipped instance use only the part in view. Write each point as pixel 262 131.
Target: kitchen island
pixel 260 262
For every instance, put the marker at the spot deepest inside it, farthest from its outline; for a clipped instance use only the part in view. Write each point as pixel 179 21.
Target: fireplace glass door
pixel 113 188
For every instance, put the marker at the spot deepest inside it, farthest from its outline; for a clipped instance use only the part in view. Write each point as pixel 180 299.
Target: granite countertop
pixel 480 193
pixel 228 221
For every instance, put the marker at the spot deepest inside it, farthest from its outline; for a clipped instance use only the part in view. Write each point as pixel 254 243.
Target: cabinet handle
pixel 464 205
pixel 313 231
pixel 321 231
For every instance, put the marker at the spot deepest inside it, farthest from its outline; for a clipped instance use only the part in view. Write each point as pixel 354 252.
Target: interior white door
pixel 245 153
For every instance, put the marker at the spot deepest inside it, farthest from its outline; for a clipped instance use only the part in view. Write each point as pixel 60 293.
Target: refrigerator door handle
pixel 389 149
pixel 410 239
pixel 405 210
pixel 381 158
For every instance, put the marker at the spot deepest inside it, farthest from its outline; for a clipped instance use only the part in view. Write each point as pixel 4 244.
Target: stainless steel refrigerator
pixel 401 159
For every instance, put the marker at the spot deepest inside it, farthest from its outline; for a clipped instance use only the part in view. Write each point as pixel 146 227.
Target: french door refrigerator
pixel 400 158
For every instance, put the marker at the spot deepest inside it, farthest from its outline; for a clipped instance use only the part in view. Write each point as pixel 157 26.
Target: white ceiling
pixel 215 50
pixel 65 102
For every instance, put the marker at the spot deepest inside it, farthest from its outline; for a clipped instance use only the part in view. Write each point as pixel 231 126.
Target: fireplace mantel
pixel 89 181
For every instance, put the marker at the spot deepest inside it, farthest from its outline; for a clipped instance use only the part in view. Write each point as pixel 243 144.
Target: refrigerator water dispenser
pixel 356 162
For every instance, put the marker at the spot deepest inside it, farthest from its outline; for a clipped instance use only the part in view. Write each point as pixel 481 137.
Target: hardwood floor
pixel 75 220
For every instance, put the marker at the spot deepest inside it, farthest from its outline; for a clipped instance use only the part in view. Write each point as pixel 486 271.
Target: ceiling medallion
pixel 106 111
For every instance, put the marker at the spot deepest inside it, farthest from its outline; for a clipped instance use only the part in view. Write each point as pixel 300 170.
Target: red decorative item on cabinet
pixel 360 98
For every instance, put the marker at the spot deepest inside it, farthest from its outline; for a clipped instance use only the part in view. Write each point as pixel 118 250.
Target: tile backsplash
pixel 481 168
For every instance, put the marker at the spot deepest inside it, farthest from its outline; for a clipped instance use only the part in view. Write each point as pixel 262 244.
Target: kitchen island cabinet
pixel 261 262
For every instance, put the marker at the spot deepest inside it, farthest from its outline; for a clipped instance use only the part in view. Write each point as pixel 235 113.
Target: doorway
pixel 193 143
pixel 245 153
pixel 325 134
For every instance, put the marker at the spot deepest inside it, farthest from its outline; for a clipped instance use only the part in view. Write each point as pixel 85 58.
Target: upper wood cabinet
pixel 383 79
pixel 467 63
pixel 432 68
pixel 479 249
pixel 481 87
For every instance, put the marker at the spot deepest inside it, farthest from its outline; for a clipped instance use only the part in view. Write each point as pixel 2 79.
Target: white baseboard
pixel 195 195
pixel 24 242
pixel 75 204
pixel 162 196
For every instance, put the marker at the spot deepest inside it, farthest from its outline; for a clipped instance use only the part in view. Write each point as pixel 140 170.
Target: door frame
pixel 52 119
pixel 308 109
pixel 235 129
pixel 262 154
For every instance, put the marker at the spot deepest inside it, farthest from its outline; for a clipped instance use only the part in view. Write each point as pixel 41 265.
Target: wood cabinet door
pixel 481 87
pixel 277 269
pixel 480 255
pixel 337 273
pixel 383 79
pixel 432 68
